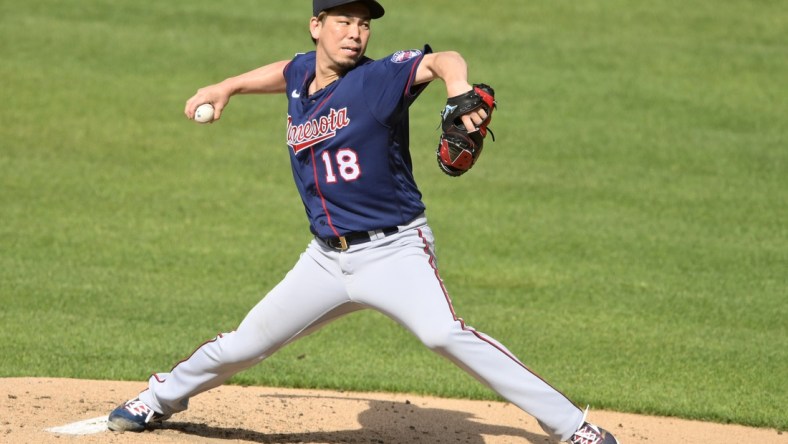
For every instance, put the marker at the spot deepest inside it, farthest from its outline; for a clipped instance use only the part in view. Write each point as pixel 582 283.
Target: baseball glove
pixel 458 149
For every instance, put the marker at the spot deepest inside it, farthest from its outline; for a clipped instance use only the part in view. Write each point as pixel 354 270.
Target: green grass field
pixel 626 235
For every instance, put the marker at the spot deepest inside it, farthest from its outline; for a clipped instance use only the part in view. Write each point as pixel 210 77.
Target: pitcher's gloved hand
pixel 459 149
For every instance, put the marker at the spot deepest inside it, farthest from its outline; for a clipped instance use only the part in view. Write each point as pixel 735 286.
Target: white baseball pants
pixel 396 275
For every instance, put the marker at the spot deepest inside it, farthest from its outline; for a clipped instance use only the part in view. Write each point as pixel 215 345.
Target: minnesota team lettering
pixel 314 131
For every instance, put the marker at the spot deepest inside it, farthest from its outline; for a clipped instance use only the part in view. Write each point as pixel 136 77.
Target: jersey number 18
pixel 347 165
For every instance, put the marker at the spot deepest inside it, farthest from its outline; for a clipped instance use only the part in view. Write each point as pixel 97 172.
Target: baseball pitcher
pixel 347 136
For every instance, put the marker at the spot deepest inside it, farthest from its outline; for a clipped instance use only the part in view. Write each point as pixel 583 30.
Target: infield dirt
pixel 276 415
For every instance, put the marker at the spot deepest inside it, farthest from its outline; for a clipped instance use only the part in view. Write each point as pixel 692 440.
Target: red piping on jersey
pixel 320 193
pixel 470 329
pixel 320 106
pixel 412 77
pixel 314 169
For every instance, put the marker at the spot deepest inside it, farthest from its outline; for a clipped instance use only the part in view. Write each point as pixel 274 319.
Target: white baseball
pixel 204 113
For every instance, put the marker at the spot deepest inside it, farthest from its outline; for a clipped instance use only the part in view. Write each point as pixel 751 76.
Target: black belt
pixel 342 243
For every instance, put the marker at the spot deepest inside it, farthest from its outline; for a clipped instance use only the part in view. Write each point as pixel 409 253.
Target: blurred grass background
pixel 625 235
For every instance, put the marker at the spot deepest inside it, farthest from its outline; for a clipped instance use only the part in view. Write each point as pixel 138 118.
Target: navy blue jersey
pixel 349 144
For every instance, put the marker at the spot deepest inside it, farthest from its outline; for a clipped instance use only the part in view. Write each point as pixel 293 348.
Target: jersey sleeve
pixel 389 83
pixel 297 70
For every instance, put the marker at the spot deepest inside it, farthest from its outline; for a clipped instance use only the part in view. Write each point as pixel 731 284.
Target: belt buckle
pixel 342 243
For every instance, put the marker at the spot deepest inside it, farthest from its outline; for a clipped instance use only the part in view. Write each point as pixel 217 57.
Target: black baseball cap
pixel 375 8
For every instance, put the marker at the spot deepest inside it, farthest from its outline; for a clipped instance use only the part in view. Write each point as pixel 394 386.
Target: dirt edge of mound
pixel 30 406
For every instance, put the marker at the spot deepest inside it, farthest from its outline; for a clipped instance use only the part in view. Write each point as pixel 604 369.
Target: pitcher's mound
pixel 47 410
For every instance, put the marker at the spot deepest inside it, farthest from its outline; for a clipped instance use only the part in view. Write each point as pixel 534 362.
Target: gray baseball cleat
pixel 590 434
pixel 134 416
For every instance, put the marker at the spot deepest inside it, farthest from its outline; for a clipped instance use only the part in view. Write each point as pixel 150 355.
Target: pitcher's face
pixel 342 35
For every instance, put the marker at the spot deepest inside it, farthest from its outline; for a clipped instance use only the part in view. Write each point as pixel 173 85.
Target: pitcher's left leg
pixel 404 284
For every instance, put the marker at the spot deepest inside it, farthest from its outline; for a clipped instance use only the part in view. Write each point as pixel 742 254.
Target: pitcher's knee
pixel 439 339
pixel 232 351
